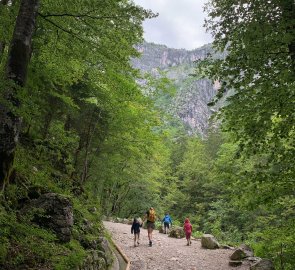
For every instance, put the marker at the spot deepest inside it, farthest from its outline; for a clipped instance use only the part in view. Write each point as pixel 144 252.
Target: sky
pixel 179 24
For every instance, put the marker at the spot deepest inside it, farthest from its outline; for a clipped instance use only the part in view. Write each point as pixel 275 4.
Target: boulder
pixel 176 232
pixel 209 241
pixel 263 264
pixel 238 254
pixel 247 250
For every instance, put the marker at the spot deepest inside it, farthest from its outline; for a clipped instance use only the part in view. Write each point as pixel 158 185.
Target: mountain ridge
pixel 192 96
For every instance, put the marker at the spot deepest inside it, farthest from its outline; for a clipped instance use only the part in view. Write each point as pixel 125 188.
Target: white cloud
pixel 179 24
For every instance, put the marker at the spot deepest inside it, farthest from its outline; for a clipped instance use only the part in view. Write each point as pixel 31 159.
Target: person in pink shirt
pixel 188 231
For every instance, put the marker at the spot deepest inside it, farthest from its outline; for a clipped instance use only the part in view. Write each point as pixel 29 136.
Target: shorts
pixel 166 225
pixel 188 235
pixel 150 225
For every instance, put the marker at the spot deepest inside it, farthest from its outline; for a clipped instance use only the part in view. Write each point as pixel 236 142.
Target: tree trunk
pixel 16 71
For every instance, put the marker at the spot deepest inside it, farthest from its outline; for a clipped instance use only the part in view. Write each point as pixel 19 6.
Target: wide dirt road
pixel 168 253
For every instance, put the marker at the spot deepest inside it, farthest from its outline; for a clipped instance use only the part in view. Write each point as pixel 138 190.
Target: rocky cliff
pixel 192 97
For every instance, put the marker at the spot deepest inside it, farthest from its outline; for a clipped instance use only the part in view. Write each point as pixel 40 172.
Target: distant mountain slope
pixel 190 102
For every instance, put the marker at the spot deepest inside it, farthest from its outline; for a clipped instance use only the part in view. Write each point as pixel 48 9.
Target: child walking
pixel 188 231
pixel 135 228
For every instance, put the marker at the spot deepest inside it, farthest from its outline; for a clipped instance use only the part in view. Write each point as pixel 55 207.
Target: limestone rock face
pixel 192 95
pixel 209 241
pixel 94 261
pixel 56 214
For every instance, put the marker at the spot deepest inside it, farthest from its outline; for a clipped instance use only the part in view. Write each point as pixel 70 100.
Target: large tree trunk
pixel 16 71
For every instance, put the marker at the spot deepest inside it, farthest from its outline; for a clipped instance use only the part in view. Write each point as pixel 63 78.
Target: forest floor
pixel 168 253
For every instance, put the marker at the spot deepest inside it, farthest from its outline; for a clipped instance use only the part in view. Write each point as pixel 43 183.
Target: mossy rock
pixel 177 232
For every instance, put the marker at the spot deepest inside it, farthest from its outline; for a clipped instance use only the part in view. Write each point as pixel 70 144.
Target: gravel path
pixel 168 253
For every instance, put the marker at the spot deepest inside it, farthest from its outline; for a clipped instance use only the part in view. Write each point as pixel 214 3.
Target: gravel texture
pixel 168 253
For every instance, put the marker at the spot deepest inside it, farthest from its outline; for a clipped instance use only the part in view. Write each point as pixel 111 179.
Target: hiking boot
pixel 151 243
pixel 187 244
pixel 137 243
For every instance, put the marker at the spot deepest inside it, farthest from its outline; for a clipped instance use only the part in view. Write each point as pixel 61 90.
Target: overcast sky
pixel 179 24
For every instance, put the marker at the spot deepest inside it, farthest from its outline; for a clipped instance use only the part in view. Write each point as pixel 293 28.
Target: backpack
pixel 167 219
pixel 152 215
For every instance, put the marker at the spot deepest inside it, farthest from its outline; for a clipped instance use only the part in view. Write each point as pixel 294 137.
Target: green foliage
pixel 23 243
pixel 86 124
pixel 274 233
pixel 259 114
pixel 73 257
pixel 197 234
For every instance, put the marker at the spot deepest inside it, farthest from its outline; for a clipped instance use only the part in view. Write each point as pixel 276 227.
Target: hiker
pixel 188 231
pixel 150 222
pixel 135 228
pixel 167 222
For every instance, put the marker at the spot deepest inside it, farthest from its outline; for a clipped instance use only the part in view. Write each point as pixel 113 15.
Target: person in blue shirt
pixel 167 223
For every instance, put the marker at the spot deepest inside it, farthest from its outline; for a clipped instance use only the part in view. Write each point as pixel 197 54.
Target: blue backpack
pixel 167 219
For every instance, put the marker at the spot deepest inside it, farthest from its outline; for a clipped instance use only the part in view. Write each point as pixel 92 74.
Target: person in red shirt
pixel 188 231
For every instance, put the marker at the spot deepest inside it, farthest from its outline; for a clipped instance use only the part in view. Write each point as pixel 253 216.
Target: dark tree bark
pixel 16 71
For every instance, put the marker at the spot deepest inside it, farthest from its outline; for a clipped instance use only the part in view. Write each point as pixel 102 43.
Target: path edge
pixel 126 259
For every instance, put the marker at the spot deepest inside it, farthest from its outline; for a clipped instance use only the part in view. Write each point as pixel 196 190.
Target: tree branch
pixel 82 16
pixel 63 29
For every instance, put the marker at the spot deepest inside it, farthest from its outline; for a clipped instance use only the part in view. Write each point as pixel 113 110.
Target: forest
pixel 74 121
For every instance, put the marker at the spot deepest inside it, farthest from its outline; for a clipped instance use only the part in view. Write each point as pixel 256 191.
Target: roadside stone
pixel 209 241
pixel 247 250
pixel 238 254
pixel 176 232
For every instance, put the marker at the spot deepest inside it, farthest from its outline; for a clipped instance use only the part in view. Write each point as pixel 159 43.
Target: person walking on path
pixel 188 231
pixel 135 228
pixel 150 221
pixel 167 222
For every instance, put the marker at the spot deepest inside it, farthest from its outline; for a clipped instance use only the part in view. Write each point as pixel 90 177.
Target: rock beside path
pixel 169 253
pixel 209 241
